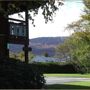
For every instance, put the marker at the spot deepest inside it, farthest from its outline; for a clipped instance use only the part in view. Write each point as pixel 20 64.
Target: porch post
pixel 27 36
pixel 3 37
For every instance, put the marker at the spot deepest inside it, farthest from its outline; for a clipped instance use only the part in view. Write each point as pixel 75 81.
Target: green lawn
pixel 70 85
pixel 81 83
pixel 74 85
pixel 68 75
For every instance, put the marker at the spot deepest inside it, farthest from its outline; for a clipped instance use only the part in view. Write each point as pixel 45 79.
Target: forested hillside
pixel 40 45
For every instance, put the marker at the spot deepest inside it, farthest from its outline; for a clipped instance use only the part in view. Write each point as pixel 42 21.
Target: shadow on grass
pixel 63 86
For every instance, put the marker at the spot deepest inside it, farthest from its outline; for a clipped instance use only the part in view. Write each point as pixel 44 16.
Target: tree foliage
pixel 62 51
pixel 77 50
pixel 48 7
pixel 84 23
pixel 87 10
pixel 78 45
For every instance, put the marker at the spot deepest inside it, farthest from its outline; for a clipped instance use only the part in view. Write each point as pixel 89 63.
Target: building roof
pixel 46 59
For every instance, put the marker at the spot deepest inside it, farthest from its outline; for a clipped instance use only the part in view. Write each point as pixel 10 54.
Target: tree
pixel 46 54
pixel 78 44
pixel 77 50
pixel 80 39
pixel 10 7
pixel 62 51
pixel 84 23
pixel 86 16
pixel 81 53
pixel 48 7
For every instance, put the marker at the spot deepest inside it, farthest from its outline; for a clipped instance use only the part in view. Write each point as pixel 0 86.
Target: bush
pixel 18 75
pixel 55 68
pixel 68 67
pixel 80 68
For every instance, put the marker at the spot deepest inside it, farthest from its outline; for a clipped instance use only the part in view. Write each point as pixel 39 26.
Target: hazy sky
pixel 70 11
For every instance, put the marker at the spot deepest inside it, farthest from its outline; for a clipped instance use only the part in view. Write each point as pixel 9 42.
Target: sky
pixel 69 12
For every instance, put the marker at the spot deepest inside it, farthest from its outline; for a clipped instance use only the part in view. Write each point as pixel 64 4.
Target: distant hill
pixel 40 45
pixel 48 40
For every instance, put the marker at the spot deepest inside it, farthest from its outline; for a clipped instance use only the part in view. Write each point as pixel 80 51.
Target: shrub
pixel 80 68
pixel 55 68
pixel 18 75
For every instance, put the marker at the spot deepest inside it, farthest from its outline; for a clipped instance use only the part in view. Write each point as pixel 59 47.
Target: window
pixel 17 29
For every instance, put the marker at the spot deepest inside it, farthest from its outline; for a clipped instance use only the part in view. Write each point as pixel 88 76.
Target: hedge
pixel 55 68
pixel 18 75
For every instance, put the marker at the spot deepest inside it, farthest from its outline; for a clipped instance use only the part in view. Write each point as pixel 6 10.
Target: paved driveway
pixel 61 80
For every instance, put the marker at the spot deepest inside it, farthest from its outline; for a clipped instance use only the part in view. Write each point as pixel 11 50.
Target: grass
pixel 68 75
pixel 68 86
pixel 81 83
pixel 71 85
